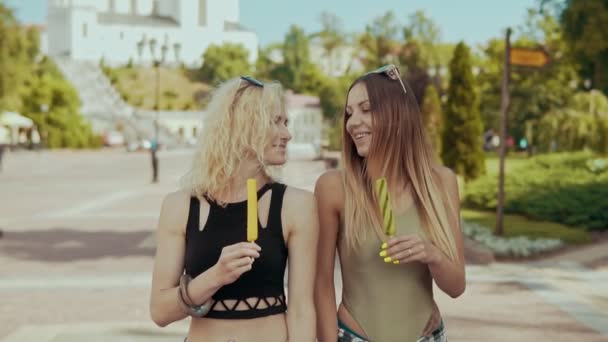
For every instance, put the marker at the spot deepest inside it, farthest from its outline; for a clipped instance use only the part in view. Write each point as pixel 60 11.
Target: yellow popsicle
pixel 252 210
pixel 388 219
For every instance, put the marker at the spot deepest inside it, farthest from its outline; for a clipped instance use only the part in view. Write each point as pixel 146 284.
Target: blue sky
pixel 474 21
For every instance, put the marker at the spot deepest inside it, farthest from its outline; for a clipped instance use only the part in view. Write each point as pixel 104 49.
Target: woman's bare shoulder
pixel 174 211
pixel 444 173
pixel 330 187
pixel 298 201
pixel 298 208
pixel 448 180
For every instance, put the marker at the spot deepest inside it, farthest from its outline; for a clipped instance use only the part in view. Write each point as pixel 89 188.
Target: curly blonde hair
pixel 237 126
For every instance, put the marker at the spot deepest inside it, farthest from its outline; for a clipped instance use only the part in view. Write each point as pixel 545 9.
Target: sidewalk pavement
pixel 76 257
pixel 503 302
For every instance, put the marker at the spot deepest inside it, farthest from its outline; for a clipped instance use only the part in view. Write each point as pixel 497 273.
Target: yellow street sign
pixel 529 57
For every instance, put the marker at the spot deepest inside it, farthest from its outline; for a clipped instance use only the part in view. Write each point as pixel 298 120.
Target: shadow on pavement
pixel 549 319
pixel 64 244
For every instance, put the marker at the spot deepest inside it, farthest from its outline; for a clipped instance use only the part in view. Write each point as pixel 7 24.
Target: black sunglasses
pixel 392 72
pixel 253 81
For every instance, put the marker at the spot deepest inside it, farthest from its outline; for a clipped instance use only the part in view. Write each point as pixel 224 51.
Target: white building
pixel 123 30
pixel 305 125
pixel 186 126
pixel 342 59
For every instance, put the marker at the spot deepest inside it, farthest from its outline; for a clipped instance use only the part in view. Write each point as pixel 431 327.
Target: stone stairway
pixel 103 106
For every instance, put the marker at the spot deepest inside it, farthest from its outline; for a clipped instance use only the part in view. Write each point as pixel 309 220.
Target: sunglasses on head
pixel 253 81
pixel 392 72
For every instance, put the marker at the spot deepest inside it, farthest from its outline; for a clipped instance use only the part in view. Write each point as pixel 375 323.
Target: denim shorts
pixel 345 334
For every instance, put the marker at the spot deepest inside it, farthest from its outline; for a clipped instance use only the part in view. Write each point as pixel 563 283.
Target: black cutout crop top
pixel 261 289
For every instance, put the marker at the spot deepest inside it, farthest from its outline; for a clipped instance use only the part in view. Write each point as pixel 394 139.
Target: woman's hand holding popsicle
pixel 409 248
pixel 235 260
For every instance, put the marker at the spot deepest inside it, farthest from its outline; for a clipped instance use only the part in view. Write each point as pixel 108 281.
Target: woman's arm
pixel 449 275
pixel 326 190
pixel 169 260
pixel 302 244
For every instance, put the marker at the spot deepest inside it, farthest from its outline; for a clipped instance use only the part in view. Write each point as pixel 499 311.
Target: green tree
pixel 582 124
pixel 462 136
pixel 13 61
pixel 432 117
pixel 37 89
pixel 4 58
pixel 32 35
pixel 332 97
pixel 378 43
pixel 533 92
pixel 296 57
pixel 423 31
pixel 52 103
pixel 311 79
pixel 423 55
pixel 416 74
pixel 222 62
pixel 265 65
pixel 332 36
pixel 585 25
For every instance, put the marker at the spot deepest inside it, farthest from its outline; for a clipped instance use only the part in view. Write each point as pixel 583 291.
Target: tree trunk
pixel 597 72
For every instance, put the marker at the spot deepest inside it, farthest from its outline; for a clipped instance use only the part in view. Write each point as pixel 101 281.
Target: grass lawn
pixel 512 162
pixel 516 225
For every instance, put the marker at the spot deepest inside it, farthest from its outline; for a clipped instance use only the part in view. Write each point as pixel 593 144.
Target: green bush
pixel 188 105
pixel 170 94
pixel 558 188
pixel 334 135
pixel 139 101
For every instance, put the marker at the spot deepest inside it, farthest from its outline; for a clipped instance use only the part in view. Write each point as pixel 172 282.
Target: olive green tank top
pixel 389 302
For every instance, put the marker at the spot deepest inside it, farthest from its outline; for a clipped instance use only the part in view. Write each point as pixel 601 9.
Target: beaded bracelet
pixel 187 304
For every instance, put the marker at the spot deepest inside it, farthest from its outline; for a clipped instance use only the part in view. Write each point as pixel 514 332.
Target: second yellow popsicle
pixel 388 219
pixel 252 210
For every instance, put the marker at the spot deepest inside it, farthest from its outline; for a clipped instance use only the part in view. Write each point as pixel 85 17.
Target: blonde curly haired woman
pixel 387 280
pixel 204 266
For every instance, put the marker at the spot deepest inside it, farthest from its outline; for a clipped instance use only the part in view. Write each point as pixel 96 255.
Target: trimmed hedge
pixel 569 188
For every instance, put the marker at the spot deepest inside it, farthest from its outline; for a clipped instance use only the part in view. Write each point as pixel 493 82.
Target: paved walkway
pixel 595 256
pixel 76 257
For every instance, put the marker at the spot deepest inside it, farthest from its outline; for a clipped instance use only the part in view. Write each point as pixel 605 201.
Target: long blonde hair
pixel 401 152
pixel 236 127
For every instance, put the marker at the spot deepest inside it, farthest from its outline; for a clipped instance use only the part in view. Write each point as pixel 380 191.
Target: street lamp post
pixel 155 144
pixel 157 61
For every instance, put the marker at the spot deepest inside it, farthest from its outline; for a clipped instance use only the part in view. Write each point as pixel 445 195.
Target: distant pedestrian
pixel 35 138
pixel 2 148
pixel 154 155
